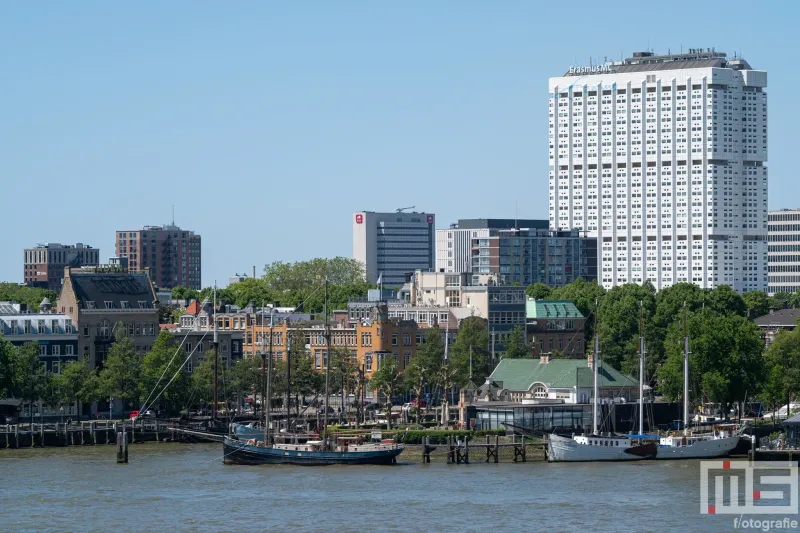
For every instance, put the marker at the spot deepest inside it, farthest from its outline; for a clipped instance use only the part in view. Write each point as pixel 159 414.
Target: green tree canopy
pixel 388 379
pixel 516 345
pixel 538 291
pixel 32 296
pixel 726 361
pixel 30 381
pixel 757 302
pixel 618 326
pixel 183 293
pixel 77 383
pixel 782 362
pixel 122 370
pixel 471 342
pixel 163 377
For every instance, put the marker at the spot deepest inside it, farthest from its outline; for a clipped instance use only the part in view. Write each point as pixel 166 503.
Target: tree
pixel 203 379
pixel 538 291
pixel 182 293
pixel 516 347
pixel 245 377
pixel 7 351
pixel 783 368
pixel 387 379
pixel 618 325
pixel 166 314
pixel 77 383
pixel 470 345
pixel 31 381
pixel 425 367
pixel 31 296
pixel 162 377
pixel 120 375
pixel 726 361
pixel 781 300
pixel 757 303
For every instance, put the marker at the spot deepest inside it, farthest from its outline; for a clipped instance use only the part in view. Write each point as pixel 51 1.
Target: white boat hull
pixel 565 449
pixel 702 449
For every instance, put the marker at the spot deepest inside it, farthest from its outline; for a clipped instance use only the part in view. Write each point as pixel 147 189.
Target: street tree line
pixel 728 363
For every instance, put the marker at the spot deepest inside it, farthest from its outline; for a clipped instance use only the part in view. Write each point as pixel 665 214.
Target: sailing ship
pixel 599 447
pixel 309 449
pixel 719 443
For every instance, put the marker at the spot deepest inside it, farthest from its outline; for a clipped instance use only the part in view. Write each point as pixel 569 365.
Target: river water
pixel 179 487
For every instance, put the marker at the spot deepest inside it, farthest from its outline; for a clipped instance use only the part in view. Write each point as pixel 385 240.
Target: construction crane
pixel 401 209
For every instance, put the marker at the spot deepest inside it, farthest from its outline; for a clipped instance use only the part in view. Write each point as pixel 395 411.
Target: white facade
pixel 453 252
pixel 784 250
pixel 662 159
pixel 393 244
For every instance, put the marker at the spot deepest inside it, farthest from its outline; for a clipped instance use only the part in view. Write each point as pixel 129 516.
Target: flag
pixel 380 278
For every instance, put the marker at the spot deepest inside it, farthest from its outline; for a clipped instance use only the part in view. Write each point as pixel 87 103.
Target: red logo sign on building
pixel 359 219
pixel 430 219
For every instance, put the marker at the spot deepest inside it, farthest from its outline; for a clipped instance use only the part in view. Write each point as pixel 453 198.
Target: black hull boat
pixel 250 453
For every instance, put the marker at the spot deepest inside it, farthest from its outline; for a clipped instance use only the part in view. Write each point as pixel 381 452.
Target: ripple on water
pixel 187 488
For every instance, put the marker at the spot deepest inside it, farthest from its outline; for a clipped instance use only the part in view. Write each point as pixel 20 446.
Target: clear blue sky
pixel 267 124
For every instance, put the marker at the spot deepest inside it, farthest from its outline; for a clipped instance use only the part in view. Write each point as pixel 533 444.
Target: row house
pixel 53 333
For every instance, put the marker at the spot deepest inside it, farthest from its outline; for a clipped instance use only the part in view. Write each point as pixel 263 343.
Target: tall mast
pixel 328 362
pixel 685 371
pixel 216 356
pixel 641 367
pixel 268 404
pixel 288 377
pixel 595 364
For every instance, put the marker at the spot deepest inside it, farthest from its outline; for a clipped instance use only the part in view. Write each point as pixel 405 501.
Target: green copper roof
pixel 520 374
pixel 551 309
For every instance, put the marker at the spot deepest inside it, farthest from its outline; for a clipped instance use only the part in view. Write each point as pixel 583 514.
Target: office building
pixel 393 245
pixel 454 244
pixel 44 264
pixel 104 301
pixel 784 250
pixel 171 253
pixel 526 256
pixel 662 158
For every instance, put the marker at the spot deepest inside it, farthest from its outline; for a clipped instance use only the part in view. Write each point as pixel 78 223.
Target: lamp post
pixel 110 405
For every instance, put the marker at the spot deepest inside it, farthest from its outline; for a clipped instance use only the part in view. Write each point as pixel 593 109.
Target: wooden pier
pixel 16 436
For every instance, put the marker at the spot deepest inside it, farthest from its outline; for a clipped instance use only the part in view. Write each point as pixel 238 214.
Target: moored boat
pixel 348 451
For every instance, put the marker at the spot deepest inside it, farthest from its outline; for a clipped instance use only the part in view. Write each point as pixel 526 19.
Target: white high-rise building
pixel 393 245
pixel 784 251
pixel 662 158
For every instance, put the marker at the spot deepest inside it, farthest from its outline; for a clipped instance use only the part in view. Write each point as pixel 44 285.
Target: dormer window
pixel 109 305
pixel 89 304
pixel 143 304
pixel 124 305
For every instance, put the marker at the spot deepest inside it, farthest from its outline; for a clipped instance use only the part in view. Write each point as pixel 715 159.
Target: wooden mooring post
pixel 122 447
pixel 451 451
pixel 426 449
pixel 519 450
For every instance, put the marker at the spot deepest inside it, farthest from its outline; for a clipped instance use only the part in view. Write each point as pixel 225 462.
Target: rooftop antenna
pixel 173 214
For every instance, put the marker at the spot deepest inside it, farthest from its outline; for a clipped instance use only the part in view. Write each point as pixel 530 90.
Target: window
pixel 56 349
pixel 42 349
pixel 419 339
pixel 394 339
pixel 138 328
pixel 124 304
pixel 85 331
pixel 224 347
pixel 368 362
pixel 27 324
pixel 68 326
pixel 56 367
pixel 14 327
pixel 54 326
pixel 151 329
pixel 69 349
pixel 109 305
pixel 188 347
pixel 143 305
pixel 89 304
pixel 40 329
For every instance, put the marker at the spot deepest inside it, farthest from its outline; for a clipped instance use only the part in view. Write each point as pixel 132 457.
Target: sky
pixel 268 124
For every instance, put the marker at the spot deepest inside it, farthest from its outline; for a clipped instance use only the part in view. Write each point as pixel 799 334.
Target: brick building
pixel 44 265
pixel 555 325
pixel 171 253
